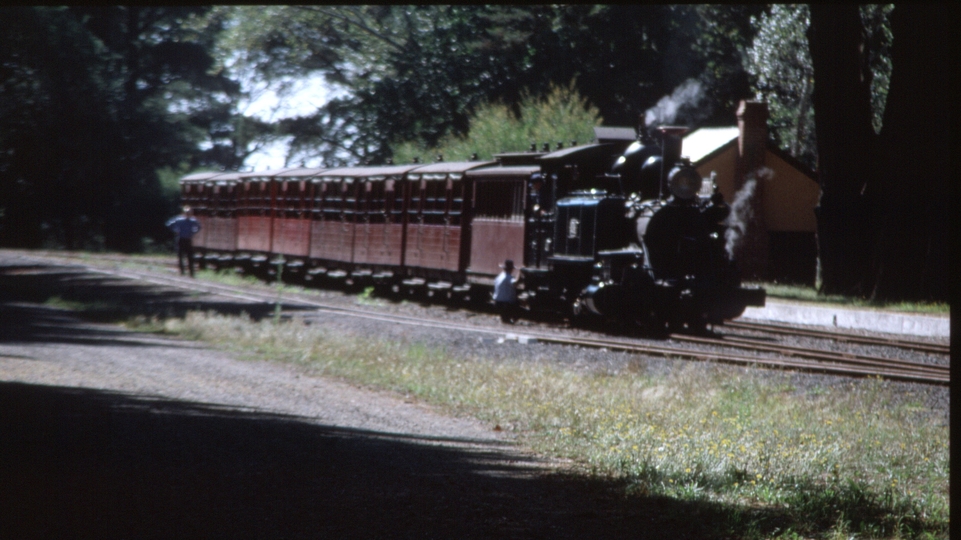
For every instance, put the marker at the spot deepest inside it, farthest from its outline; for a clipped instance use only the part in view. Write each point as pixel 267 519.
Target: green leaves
pixel 105 97
pixel 418 73
pixel 561 116
pixel 780 60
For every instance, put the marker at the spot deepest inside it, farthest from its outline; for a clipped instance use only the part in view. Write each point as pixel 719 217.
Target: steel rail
pixel 774 328
pixel 904 375
pixel 802 352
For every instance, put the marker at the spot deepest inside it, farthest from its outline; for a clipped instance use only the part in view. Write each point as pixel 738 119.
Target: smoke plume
pixel 686 102
pixel 742 211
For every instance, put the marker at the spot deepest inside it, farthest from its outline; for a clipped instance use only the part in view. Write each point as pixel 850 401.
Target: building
pixel 773 193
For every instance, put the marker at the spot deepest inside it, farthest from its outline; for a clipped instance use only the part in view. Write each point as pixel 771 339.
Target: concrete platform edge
pixel 874 321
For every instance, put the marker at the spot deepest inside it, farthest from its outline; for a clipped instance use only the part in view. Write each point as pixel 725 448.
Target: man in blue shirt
pixel 185 226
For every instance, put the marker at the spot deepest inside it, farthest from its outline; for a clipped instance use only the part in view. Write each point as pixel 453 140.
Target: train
pixel 622 232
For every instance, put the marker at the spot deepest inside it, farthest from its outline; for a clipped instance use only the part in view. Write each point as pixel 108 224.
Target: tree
pixel 883 216
pixel 912 210
pixel 780 59
pixel 418 73
pixel 98 99
pixel 562 116
pixel 846 144
pixel 725 32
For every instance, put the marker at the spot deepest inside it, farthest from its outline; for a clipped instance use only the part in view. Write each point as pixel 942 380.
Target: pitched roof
pixel 702 143
pixel 705 143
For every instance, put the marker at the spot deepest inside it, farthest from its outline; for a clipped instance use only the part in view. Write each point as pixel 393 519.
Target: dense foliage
pixel 419 73
pixel 88 116
pixel 562 116
pixel 780 61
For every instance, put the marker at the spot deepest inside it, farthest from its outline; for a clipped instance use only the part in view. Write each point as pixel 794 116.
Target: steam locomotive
pixel 603 231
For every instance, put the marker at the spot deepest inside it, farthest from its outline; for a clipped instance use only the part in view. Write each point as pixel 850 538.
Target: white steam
pixel 742 212
pixel 688 97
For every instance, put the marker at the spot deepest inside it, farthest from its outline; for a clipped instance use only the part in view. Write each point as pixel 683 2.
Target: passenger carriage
pixel 213 199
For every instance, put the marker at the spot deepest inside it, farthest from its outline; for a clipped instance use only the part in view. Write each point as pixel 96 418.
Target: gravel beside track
pixel 108 433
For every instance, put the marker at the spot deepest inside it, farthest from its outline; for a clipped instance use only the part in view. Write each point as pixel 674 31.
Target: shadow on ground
pixel 78 462
pixel 88 463
pixel 103 298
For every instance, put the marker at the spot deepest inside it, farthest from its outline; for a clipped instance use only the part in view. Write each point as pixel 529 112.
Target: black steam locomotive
pixel 648 251
pixel 603 231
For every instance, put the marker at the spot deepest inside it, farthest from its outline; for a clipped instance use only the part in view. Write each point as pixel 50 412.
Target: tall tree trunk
pixel 911 197
pixel 845 141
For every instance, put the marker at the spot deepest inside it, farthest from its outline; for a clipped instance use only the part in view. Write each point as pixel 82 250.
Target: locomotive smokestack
pixel 670 150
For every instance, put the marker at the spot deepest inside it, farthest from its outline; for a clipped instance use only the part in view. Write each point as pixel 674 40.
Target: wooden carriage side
pixel 220 229
pixel 331 236
pixel 436 217
pixel 211 196
pixel 255 196
pixel 360 222
pixel 497 218
pixel 291 230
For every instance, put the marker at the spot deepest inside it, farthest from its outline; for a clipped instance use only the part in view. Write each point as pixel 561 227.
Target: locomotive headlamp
pixel 684 180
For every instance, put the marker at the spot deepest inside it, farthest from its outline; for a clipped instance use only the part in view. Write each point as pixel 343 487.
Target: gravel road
pixel 107 433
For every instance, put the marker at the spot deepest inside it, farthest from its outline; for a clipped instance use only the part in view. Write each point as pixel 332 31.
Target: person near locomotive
pixel 505 296
pixel 185 226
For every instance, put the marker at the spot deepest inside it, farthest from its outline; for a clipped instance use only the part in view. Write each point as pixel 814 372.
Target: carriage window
pixel 230 201
pixel 435 202
pixel 456 201
pixel 333 200
pixel 351 198
pixel 204 196
pixel 262 200
pixel 501 199
pixel 394 200
pixel 376 201
pixel 417 197
pixel 295 198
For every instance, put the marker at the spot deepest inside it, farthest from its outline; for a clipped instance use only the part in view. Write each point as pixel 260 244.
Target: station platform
pixel 907 324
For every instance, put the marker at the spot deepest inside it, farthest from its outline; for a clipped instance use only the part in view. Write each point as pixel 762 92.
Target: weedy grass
pixel 810 294
pixel 86 306
pixel 228 277
pixel 853 460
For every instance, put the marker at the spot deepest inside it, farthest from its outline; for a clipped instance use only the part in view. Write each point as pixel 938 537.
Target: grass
pixel 228 277
pixel 836 462
pixel 810 294
pixel 87 306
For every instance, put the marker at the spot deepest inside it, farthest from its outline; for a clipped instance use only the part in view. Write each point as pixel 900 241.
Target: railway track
pixel 730 350
pixel 844 337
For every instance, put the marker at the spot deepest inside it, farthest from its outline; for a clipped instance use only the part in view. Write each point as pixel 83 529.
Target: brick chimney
pixel 753 250
pixel 752 141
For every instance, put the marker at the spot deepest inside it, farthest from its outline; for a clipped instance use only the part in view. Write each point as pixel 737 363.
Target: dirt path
pixel 106 433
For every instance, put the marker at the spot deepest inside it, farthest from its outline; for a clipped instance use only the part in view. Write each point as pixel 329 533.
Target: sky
pixel 303 97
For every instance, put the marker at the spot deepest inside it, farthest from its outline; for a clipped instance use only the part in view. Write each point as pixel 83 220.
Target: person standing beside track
pixel 505 296
pixel 185 226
